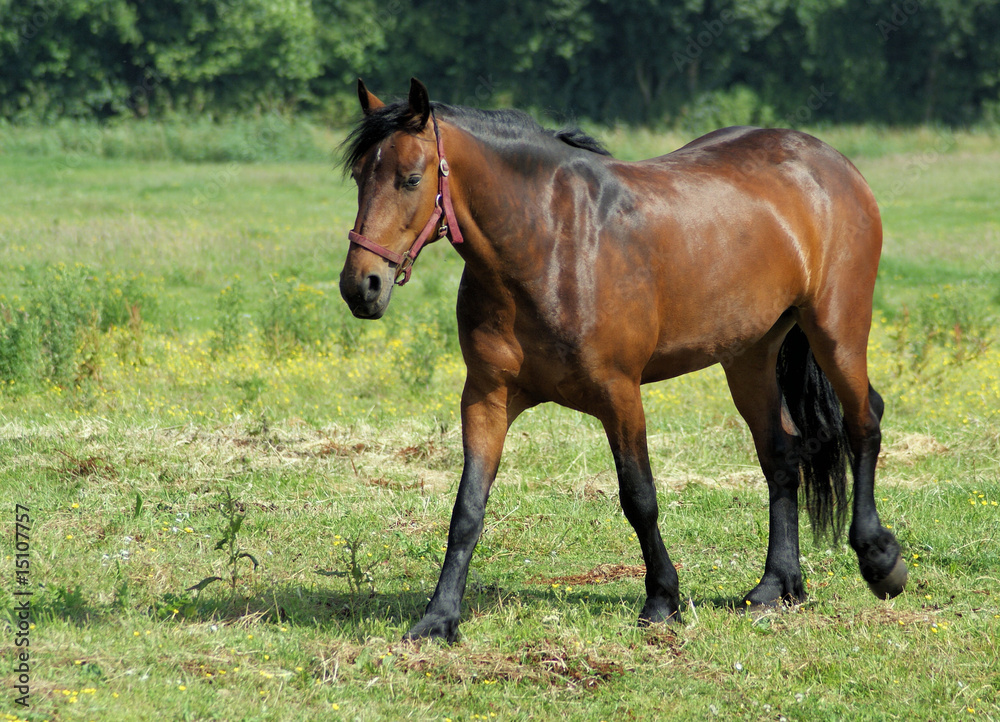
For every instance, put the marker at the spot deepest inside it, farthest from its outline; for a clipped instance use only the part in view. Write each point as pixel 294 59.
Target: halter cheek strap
pixel 442 207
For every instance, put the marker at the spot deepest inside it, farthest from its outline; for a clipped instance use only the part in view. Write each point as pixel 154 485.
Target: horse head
pixel 396 157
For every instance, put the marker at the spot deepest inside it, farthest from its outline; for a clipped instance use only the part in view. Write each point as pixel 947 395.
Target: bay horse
pixel 586 276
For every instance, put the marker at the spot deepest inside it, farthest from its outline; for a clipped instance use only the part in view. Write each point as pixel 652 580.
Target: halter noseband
pixel 442 206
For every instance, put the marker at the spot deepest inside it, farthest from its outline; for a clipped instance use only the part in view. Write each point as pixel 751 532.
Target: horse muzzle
pixel 367 294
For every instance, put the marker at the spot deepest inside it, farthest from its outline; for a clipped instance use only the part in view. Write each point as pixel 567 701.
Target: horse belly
pixel 711 311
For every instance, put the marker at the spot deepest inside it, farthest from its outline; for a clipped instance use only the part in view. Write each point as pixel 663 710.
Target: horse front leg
pixel 485 420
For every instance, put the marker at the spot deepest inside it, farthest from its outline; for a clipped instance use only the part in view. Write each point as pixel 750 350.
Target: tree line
pixel 638 61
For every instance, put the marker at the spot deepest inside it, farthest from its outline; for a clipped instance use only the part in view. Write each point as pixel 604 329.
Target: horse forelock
pixel 371 130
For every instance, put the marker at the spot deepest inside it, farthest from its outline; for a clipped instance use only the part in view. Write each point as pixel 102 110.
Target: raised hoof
pixel 893 584
pixel 882 564
pixel 433 628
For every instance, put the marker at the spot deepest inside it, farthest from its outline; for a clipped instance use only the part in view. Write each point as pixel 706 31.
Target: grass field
pixel 171 331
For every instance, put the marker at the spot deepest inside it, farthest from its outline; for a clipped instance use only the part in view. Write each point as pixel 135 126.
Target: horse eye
pixel 413 181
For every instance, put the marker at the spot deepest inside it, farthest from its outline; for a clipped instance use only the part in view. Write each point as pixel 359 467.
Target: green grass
pixel 242 370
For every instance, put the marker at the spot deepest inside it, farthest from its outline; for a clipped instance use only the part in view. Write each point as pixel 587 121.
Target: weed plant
pixel 229 544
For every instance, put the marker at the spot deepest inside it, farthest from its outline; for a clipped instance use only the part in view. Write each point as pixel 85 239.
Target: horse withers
pixel 586 276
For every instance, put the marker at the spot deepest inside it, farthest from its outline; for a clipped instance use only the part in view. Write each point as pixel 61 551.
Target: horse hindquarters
pixel 801 437
pixel 824 361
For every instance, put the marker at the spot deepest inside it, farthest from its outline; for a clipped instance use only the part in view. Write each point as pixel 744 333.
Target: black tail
pixel 823 452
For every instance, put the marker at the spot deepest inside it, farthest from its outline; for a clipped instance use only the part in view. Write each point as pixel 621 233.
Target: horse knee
pixel 640 506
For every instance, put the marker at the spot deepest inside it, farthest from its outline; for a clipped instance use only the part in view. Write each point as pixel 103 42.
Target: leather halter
pixel 442 206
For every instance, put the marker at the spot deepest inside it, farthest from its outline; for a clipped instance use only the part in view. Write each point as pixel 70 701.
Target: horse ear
pixel 368 100
pixel 420 105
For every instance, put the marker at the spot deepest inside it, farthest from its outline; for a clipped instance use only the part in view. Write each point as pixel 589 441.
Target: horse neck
pixel 496 195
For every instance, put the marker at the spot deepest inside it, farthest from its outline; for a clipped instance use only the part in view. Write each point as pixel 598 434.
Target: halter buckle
pixel 403 269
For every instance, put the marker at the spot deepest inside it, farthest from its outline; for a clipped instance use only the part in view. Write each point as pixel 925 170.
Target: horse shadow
pixel 356 614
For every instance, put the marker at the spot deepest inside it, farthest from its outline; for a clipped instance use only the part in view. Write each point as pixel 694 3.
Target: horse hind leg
pixel 625 425
pixel 754 387
pixel 840 349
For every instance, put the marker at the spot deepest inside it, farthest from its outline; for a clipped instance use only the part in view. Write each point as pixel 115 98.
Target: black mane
pixel 499 126
pixel 578 139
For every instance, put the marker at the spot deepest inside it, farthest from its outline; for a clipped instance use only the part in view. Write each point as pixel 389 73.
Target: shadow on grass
pixel 359 616
pixel 352 615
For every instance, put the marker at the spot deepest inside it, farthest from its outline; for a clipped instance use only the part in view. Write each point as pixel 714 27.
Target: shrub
pixel 738 105
pixel 231 321
pixel 956 319
pixel 295 314
pixel 19 346
pixel 54 330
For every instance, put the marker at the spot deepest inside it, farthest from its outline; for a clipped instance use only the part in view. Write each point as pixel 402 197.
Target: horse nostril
pixel 371 287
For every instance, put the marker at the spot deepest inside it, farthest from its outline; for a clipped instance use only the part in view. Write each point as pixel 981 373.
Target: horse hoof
pixel 774 594
pixel 653 613
pixel 893 584
pixel 433 628
pixel 759 609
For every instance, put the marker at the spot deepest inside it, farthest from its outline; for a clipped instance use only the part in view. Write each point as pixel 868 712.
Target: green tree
pixel 229 54
pixel 65 57
pixel 637 60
